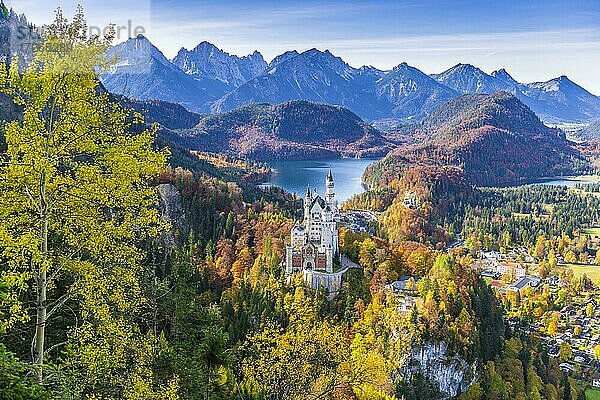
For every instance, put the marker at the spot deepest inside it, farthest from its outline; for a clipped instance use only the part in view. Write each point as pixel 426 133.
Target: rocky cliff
pixel 171 210
pixel 450 373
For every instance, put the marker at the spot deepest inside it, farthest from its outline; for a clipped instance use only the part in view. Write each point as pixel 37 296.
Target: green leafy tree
pixel 76 198
pixel 565 352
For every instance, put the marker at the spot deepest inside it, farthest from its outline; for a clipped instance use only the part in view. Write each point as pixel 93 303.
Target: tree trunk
pixel 41 307
pixel 42 286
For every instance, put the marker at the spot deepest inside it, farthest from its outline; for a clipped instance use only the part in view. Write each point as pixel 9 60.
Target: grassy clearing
pixel 585 178
pixel 592 394
pixel 535 217
pixel 592 271
pixel 593 232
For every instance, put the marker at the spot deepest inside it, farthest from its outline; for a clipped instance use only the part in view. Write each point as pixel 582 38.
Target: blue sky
pixel 533 40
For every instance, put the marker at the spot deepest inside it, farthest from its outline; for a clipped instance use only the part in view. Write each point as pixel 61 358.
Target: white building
pixel 518 271
pixel 314 243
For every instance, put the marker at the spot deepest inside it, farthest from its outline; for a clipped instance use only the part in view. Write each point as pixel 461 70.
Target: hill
pixel 290 130
pixel 591 132
pixel 495 139
pixel 168 115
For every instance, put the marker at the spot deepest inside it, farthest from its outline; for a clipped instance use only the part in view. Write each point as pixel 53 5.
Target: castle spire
pixel 329 176
pixel 330 190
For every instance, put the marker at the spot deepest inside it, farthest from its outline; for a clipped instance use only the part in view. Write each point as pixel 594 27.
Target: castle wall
pixel 331 282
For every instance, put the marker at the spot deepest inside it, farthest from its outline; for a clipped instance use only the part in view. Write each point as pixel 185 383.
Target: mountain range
pixel 209 80
pixel 142 72
pixel 487 125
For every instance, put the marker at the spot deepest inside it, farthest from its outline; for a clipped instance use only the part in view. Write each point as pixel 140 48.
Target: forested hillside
pixel 495 139
pixel 291 130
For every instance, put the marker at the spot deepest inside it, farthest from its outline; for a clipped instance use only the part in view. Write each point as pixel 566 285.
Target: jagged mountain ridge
pixel 404 93
pixel 466 78
pixel 142 72
pixel 495 139
pixel 412 93
pixel 224 82
pixel 313 75
pixel 207 61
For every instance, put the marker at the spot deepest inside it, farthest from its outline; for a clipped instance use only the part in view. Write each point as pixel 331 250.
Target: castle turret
pixel 330 190
pixel 308 193
pixel 307 204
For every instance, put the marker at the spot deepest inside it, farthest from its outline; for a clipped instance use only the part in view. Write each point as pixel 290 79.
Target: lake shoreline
pixel 568 181
pixel 294 176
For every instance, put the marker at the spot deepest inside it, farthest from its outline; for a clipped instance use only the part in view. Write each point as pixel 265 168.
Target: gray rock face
pixel 207 61
pixel 171 211
pixel 466 78
pixel 142 72
pixel 450 373
pixel 18 37
pixel 411 93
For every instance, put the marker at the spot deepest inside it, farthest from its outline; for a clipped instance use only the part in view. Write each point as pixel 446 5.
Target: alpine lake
pixel 296 175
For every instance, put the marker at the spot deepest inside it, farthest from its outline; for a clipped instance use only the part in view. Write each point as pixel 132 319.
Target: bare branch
pixel 37 207
pixel 59 303
pixel 55 346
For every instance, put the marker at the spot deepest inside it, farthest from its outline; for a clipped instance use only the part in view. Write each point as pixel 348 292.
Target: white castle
pixel 314 243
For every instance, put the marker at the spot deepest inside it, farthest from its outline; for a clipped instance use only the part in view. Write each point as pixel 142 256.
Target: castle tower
pixel 307 204
pixel 330 190
pixel 288 259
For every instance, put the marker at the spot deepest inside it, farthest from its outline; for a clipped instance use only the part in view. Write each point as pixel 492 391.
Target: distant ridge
pixel 206 79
